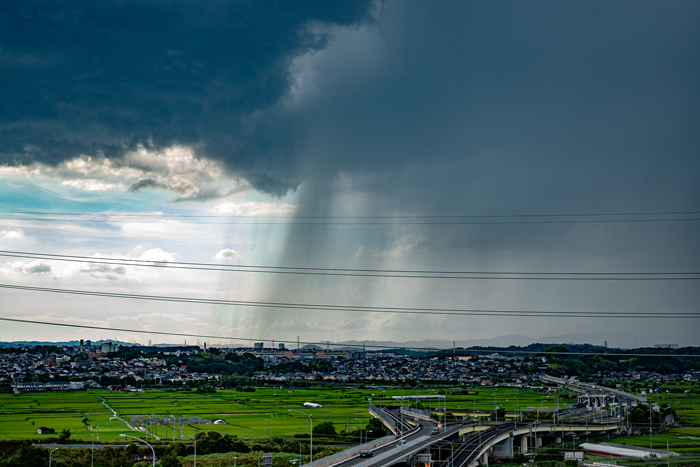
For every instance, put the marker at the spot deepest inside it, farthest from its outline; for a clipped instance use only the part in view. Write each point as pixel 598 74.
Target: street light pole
pixel 121 435
pixel 360 429
pixel 311 443
pixel 495 405
pixel 51 452
pixel 195 448
pixel 92 451
pixel 452 448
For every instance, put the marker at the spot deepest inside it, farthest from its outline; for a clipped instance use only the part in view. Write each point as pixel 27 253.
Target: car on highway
pixel 435 431
pixel 366 454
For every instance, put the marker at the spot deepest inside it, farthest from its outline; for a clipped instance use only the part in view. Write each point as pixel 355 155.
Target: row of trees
pixel 21 453
pixel 588 365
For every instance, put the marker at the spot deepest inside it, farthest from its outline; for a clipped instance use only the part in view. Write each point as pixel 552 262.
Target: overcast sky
pixel 317 109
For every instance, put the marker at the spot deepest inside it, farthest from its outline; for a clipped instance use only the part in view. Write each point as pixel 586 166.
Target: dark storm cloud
pixel 508 108
pixel 489 108
pixel 103 77
pixel 473 107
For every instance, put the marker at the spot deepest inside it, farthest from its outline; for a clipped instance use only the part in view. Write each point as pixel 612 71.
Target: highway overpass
pixel 587 388
pixel 473 442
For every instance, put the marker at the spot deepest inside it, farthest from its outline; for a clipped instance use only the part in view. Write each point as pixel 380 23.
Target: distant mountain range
pixel 599 340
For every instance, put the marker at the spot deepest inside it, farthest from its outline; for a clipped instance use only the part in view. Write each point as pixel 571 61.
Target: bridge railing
pixel 419 413
pixel 393 452
pixel 582 387
pixel 354 451
pixel 388 421
pixel 339 457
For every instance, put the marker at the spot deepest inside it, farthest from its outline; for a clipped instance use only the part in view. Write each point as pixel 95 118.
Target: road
pixel 468 452
pixel 394 452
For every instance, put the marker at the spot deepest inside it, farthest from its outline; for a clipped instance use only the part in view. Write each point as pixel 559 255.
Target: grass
pixel 246 414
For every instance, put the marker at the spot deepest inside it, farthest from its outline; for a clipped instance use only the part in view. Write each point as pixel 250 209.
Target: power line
pixel 388 273
pixel 363 345
pixel 317 223
pixel 362 309
pixel 458 216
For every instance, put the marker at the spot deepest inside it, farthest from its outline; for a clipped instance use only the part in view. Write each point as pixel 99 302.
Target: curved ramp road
pixel 413 443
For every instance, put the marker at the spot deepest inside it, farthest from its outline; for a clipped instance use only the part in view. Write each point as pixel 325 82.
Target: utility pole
pixel 651 445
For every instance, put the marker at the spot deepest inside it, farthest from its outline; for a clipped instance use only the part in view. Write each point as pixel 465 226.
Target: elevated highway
pixel 506 439
pixel 412 435
pixel 587 388
pixel 473 443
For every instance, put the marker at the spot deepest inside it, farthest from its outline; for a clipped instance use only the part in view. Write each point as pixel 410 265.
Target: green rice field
pixel 267 411
pixel 246 414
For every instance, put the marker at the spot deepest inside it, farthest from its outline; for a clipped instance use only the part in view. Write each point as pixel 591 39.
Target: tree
pixel 110 457
pixel 170 460
pixel 500 414
pixel 640 415
pixel 179 449
pixel 64 436
pixel 375 429
pixel 27 456
pixel 325 429
pixel 213 442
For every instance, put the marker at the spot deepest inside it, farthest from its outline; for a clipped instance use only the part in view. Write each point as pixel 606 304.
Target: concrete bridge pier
pixel 504 448
pixel 523 443
pixel 538 440
pixel 484 460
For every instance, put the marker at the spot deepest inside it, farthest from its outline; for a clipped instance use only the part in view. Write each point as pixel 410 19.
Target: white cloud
pixel 157 255
pixel 12 233
pixel 93 185
pixel 228 254
pixel 121 272
pixel 254 208
pixel 93 271
pixel 176 169
pixel 107 271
